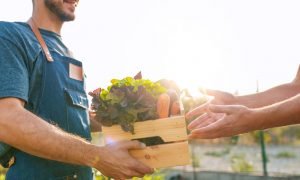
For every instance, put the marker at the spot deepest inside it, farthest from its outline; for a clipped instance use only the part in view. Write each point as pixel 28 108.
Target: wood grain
pixel 165 155
pixel 169 129
pixel 172 130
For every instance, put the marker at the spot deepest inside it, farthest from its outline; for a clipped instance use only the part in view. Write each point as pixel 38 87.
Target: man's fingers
pixel 211 92
pixel 133 145
pixel 216 93
pixel 207 132
pixel 206 123
pixel 198 121
pixel 139 167
pixel 197 111
pixel 227 109
pixel 202 135
pixel 138 171
pixel 204 107
pixel 143 169
pixel 130 174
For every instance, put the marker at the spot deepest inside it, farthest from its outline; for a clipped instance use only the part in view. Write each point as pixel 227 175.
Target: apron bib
pixel 63 102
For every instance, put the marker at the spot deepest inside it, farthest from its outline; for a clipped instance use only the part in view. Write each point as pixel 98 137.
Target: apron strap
pixel 39 37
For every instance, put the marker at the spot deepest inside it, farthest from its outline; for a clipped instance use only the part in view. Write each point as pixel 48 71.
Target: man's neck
pixel 48 25
pixel 45 19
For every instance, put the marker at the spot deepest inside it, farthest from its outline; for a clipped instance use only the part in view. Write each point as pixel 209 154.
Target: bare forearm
pixel 270 96
pixel 283 113
pixel 29 133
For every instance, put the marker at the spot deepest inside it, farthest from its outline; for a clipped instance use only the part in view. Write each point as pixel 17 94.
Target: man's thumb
pixel 227 109
pixel 134 145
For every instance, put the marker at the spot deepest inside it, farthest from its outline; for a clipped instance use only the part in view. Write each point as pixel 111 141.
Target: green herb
pixel 127 101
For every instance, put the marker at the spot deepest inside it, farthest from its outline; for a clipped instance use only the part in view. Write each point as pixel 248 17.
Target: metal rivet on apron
pixel 11 161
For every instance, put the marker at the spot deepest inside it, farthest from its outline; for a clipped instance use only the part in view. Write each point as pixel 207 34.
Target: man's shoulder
pixel 7 24
pixel 11 30
pixel 19 38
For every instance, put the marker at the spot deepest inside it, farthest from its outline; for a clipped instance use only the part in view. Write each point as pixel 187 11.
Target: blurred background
pixel 235 46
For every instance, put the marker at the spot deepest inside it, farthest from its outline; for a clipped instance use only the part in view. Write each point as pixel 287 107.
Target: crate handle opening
pixel 151 141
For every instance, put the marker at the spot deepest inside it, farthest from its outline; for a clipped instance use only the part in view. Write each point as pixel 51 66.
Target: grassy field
pixel 282 159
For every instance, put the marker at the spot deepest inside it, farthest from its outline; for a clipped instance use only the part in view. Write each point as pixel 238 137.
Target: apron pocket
pixel 77 99
pixel 77 113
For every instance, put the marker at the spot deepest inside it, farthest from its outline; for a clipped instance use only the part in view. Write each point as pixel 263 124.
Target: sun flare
pixel 194 76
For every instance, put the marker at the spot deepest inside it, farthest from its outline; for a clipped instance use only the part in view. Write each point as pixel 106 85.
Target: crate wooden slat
pixel 165 155
pixel 169 129
pixel 172 130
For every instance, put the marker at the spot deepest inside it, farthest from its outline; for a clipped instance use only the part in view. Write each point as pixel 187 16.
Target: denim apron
pixel 63 102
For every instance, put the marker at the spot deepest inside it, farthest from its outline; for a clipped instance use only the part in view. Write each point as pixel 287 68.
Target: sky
pixel 227 45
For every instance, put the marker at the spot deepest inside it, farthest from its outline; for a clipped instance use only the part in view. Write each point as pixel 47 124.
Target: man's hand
pixel 94 124
pixel 117 163
pixel 220 98
pixel 223 121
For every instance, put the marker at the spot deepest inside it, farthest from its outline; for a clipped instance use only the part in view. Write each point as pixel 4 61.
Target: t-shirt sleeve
pixel 14 77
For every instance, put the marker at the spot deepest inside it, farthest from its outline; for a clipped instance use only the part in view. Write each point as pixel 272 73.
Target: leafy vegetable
pixel 127 101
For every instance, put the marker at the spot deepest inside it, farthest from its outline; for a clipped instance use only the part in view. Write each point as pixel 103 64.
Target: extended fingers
pixel 203 133
pixel 198 121
pixel 206 123
pixel 205 119
pixel 213 130
pixel 197 111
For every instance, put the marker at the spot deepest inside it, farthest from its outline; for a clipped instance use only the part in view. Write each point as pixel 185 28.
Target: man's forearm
pixel 273 95
pixel 27 132
pixel 283 113
pixel 270 96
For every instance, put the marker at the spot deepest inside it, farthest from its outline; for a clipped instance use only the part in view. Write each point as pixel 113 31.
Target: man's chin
pixel 66 18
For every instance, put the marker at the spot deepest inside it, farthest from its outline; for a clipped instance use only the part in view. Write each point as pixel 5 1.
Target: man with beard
pixel 44 107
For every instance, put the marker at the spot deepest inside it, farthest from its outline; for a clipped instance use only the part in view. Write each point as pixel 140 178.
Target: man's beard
pixel 57 9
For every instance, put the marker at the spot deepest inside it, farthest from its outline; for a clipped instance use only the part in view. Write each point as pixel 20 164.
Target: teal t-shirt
pixel 20 68
pixel 19 53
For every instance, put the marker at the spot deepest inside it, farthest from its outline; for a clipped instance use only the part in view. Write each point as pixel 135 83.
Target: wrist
pixel 258 116
pixel 250 119
pixel 265 118
pixel 91 155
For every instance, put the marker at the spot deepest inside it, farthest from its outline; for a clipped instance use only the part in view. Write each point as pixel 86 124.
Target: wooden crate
pixel 175 151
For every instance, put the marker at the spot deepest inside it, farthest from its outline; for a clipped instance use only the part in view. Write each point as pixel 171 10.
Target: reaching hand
pixel 117 162
pixel 222 121
pixel 220 98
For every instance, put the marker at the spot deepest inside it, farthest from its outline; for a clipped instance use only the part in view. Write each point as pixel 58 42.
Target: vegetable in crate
pixel 127 101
